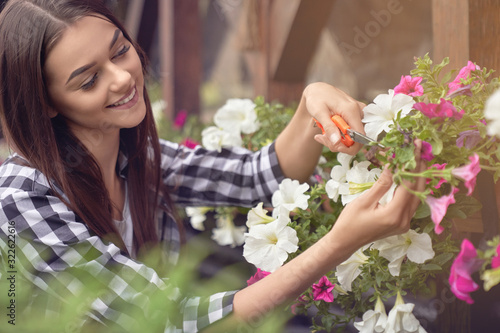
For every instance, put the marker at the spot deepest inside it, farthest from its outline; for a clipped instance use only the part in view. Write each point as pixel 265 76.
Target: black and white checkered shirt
pixel 55 243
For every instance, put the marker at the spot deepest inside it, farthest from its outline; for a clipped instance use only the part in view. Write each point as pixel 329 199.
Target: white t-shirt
pixel 125 226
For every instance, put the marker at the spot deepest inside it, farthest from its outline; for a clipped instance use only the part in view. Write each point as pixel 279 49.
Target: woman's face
pixel 94 78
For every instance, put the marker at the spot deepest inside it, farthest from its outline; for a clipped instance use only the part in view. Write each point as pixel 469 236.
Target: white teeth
pixel 126 100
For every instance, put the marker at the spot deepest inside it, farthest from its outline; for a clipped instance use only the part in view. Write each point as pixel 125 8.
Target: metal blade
pixel 363 139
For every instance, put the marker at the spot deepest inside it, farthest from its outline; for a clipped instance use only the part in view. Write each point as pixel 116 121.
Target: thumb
pixel 381 186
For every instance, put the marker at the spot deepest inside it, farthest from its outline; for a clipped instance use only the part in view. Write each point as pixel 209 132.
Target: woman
pixel 90 187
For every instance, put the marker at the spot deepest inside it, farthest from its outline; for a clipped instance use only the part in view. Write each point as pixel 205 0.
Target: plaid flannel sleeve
pixel 59 256
pixel 233 177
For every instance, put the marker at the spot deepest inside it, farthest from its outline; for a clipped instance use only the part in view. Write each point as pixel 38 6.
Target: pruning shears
pixel 348 135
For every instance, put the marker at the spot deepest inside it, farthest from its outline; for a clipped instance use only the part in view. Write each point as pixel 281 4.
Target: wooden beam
pixel 296 29
pixel 282 35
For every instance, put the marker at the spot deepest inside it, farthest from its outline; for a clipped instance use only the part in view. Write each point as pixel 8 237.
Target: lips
pixel 129 98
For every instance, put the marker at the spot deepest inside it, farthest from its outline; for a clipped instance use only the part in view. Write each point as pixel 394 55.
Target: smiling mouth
pixel 126 99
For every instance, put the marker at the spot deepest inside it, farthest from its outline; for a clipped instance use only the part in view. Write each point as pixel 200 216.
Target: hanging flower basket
pixel 457 117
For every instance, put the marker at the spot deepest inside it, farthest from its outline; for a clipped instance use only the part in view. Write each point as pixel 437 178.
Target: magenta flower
pixel 462 75
pixel 495 261
pixel 259 275
pixel 442 180
pixel 464 265
pixel 445 109
pixel 465 90
pixel 468 173
pixel 438 207
pixel 299 303
pixel 180 119
pixel 426 153
pixel 409 86
pixel 323 290
pixel 190 143
pixel 469 139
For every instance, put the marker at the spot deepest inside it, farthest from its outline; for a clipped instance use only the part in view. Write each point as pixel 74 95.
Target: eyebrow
pixel 83 69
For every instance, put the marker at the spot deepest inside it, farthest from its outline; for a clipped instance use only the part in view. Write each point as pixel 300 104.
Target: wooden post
pixel 187 56
pixel 180 55
pixel 466 30
pixel 470 30
pixel 166 50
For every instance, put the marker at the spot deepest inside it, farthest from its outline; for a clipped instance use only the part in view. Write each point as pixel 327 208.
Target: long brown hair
pixel 28 31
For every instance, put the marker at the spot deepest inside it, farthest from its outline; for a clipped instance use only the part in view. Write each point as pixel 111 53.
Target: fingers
pixel 381 186
pixel 322 102
pixel 403 197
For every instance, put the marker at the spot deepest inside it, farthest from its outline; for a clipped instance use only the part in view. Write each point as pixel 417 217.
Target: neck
pixel 104 147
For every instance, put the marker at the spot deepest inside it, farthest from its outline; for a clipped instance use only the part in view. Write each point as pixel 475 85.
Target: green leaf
pixel 423 210
pixel 431 267
pixel 443 258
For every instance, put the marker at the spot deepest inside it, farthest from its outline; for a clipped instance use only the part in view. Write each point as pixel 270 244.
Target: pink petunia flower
pixel 180 119
pixel 495 261
pixel 442 180
pixel 409 86
pixel 438 207
pixel 445 109
pixel 462 75
pixel 468 173
pixel 259 275
pixel 323 290
pixel 426 153
pixel 464 265
pixel 190 143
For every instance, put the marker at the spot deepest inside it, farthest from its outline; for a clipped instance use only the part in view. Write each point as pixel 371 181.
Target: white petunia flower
pixel 214 138
pixel 358 179
pixel 289 196
pixel 378 116
pixel 258 215
pixel 349 270
pixel 227 233
pixel 417 247
pixel 492 113
pixel 267 245
pixel 197 216
pixel 401 318
pixel 338 176
pixel 373 320
pixel 238 115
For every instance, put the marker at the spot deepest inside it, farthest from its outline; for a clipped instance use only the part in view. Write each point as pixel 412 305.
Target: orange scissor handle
pixel 342 126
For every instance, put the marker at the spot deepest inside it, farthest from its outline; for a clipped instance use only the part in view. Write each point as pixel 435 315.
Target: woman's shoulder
pixel 17 175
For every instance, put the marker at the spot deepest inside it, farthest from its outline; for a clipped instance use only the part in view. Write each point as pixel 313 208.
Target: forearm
pixel 289 281
pixel 298 153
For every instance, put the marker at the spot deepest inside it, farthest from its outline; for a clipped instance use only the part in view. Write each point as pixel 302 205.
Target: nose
pixel 120 78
